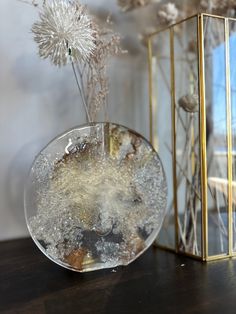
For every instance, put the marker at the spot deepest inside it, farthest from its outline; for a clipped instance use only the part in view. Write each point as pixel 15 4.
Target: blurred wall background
pixel 39 101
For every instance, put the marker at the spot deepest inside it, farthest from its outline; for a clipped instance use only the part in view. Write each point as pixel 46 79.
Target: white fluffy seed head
pixel 64 32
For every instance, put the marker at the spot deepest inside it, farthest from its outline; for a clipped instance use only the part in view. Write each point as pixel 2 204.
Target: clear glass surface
pixel 95 197
pixel 216 138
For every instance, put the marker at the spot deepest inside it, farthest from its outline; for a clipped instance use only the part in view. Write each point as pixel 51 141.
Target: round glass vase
pixel 95 197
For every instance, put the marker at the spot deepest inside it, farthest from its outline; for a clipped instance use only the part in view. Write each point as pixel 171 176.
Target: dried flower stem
pixel 33 2
pixel 81 92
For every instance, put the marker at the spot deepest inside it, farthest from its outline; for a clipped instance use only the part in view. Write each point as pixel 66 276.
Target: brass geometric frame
pixel 202 127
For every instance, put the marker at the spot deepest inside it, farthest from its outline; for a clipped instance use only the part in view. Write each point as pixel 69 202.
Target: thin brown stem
pixel 81 92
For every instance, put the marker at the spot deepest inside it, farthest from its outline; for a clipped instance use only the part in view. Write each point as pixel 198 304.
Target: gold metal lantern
pixel 192 89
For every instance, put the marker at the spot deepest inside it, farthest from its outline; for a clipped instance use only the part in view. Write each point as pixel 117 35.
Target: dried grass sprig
pixel 94 74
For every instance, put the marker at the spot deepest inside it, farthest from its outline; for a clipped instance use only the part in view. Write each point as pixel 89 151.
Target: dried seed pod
pixel 189 102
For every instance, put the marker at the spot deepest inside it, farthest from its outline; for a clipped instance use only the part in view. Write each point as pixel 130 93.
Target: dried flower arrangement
pixel 169 10
pixel 166 12
pixel 89 183
pixel 67 34
pixel 159 13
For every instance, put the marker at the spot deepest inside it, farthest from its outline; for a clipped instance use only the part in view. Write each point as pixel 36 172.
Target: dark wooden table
pixel 158 282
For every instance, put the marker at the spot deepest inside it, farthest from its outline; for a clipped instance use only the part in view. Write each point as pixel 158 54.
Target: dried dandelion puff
pixel 128 5
pixel 65 32
pixel 168 14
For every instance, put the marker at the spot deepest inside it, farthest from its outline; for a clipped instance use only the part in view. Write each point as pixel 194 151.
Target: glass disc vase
pixel 95 197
